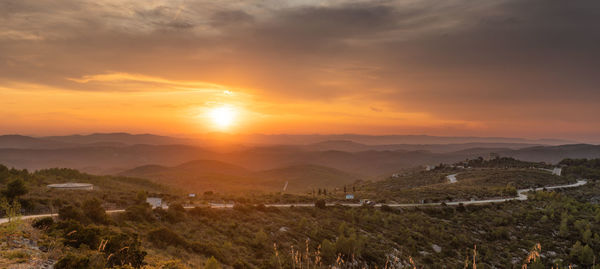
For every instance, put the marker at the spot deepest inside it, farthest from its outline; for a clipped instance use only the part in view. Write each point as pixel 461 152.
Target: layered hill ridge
pixel 210 175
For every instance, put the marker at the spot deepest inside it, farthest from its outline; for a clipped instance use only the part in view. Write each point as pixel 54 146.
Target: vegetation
pixel 476 183
pixel 555 228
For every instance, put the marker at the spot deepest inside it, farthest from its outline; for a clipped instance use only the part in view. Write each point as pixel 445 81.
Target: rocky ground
pixel 20 248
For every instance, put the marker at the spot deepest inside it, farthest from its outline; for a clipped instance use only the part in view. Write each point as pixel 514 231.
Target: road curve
pixel 521 196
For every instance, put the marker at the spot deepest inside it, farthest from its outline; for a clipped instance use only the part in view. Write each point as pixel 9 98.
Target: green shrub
pixel 212 263
pixel 43 223
pixel 164 237
pixel 70 213
pixel 139 213
pixel 320 204
pixel 124 249
pixel 94 211
pixel 70 261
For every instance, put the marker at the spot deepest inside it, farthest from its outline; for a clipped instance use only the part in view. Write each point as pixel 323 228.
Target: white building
pixel 349 196
pixel 155 202
pixel 72 186
pixel 557 171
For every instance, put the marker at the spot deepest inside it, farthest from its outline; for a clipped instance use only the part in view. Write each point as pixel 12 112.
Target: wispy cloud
pixel 490 62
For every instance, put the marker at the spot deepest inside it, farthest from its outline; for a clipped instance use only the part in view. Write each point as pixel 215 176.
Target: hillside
pixel 101 158
pixel 122 138
pixel 306 177
pixel 415 186
pixel 196 176
pixel 26 142
pixel 211 175
pixel 351 146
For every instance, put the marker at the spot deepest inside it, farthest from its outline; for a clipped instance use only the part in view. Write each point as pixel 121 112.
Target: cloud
pixel 457 60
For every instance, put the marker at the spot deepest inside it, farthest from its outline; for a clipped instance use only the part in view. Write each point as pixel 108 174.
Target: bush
pixel 43 223
pixel 73 261
pixel 124 249
pixel 94 211
pixel 175 213
pixel 139 213
pixel 164 237
pixel 70 213
pixel 88 236
pixel 212 263
pixel 320 204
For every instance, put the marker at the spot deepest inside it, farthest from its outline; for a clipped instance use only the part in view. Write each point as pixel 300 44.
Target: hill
pixel 122 138
pixel 305 176
pixel 211 175
pixel 387 139
pixel 26 142
pixel 197 176
pixel 351 146
pixel 103 159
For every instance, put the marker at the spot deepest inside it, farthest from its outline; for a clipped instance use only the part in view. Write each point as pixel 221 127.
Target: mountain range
pixel 186 162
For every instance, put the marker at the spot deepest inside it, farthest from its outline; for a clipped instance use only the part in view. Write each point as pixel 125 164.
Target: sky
pixel 510 68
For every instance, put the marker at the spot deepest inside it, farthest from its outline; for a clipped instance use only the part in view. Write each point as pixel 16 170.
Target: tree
pixel 576 251
pixel 70 213
pixel 94 211
pixel 564 226
pixel 587 255
pixel 141 197
pixel 13 213
pixel 4 173
pixel 344 189
pixel 587 236
pixel 14 189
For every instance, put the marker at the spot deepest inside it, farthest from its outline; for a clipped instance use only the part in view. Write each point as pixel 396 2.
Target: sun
pixel 222 117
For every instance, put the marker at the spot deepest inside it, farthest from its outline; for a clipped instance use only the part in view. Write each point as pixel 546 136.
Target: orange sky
pixel 457 68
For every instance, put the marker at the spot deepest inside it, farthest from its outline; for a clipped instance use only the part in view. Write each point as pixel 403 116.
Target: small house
pixel 154 202
pixel 349 196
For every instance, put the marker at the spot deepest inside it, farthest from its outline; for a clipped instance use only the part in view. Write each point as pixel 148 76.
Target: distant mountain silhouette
pixel 27 142
pixel 351 146
pixel 122 138
pixel 389 139
pixel 116 152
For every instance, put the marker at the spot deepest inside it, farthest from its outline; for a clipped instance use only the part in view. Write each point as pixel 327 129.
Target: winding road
pixel 521 196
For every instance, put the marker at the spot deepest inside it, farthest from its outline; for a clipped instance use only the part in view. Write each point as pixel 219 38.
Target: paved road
pixel 521 195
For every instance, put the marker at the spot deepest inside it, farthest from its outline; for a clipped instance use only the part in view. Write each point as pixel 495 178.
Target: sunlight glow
pixel 222 117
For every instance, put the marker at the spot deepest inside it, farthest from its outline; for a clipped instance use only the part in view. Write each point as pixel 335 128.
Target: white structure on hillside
pixel 349 196
pixel 72 186
pixel 557 171
pixel 155 202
